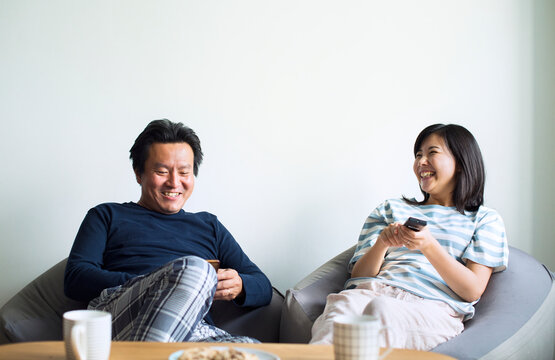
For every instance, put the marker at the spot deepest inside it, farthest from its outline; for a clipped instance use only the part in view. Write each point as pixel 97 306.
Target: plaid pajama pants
pixel 167 305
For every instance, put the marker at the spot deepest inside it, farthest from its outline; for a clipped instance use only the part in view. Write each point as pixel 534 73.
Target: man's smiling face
pixel 168 180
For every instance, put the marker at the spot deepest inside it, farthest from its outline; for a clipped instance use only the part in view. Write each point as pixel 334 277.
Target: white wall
pixel 307 112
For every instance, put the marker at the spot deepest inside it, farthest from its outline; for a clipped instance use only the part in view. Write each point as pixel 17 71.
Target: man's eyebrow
pixel 161 165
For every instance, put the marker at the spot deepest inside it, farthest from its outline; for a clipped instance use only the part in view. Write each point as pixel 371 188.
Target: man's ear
pixel 137 176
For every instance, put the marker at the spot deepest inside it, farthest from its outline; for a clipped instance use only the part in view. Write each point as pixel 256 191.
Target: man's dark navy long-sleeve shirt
pixel 117 242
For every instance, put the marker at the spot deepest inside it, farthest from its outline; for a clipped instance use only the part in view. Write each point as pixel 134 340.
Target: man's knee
pixel 184 268
pixel 190 261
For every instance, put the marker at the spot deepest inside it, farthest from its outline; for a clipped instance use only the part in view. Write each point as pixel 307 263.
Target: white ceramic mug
pixel 87 334
pixel 355 337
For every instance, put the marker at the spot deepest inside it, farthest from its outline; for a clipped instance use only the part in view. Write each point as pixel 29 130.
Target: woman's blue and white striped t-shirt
pixel 478 236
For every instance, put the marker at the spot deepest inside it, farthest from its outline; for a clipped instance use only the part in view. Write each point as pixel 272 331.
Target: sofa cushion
pixel 511 298
pixel 306 301
pixel 35 312
pixel 261 323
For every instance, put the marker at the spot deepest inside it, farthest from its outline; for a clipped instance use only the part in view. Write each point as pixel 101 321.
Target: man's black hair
pixel 166 132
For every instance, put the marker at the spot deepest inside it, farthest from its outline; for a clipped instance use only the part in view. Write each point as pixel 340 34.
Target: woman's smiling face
pixel 435 168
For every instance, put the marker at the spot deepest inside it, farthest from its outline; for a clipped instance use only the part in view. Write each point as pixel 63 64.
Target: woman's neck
pixel 447 202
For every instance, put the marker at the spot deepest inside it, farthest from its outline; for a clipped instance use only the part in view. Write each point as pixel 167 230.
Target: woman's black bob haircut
pixel 166 132
pixel 470 174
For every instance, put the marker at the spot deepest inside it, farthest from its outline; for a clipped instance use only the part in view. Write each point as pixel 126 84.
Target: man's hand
pixel 230 285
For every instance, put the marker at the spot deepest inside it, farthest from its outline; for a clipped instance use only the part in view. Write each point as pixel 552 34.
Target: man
pixel 145 262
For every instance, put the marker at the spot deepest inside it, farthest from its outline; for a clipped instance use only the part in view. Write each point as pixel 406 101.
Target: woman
pixel 423 284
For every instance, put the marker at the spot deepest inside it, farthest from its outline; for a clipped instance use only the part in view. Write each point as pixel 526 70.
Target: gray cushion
pixel 260 323
pixel 306 301
pixel 512 299
pixel 35 313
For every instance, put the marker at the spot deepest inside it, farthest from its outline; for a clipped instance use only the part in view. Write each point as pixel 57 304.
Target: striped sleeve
pixel 489 243
pixel 371 229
